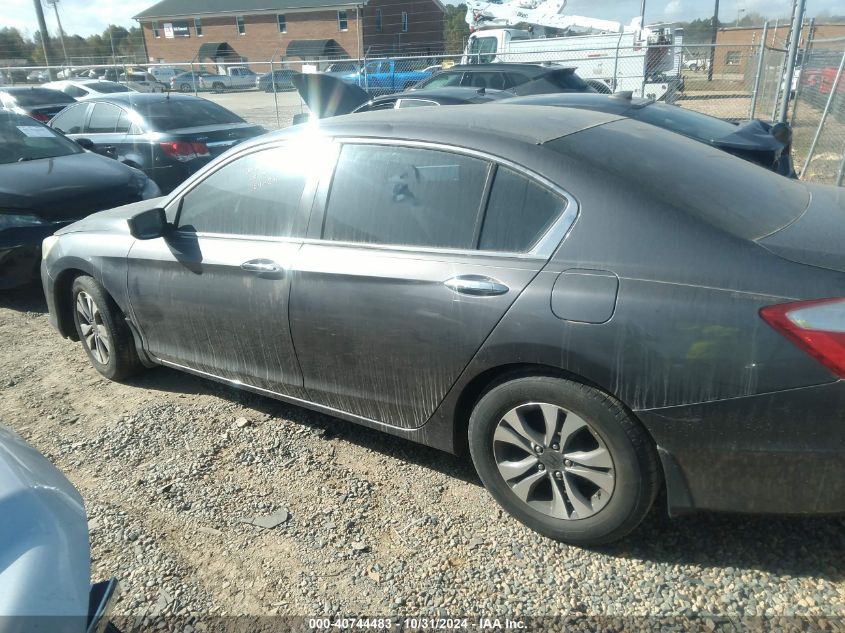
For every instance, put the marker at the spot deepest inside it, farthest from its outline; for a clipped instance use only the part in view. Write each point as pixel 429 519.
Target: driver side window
pixel 258 194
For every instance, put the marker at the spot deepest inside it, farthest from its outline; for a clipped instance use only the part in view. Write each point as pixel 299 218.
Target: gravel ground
pixel 174 470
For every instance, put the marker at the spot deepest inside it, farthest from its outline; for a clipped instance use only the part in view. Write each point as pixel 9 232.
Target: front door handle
pixel 262 266
pixel 476 285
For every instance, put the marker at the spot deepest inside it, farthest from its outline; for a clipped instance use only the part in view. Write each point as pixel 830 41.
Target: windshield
pixel 441 80
pixel 484 48
pixel 686 122
pixel 23 139
pixel 173 114
pixel 39 96
pixel 105 87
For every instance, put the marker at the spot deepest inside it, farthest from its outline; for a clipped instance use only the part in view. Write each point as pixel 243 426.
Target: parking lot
pixel 171 465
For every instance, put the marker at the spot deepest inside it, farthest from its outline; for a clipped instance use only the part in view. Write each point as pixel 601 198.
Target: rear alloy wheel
pixel 103 331
pixel 186 88
pixel 564 458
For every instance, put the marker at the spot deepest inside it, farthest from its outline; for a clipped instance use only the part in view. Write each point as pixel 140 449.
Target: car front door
pixel 102 130
pixel 212 295
pixel 393 295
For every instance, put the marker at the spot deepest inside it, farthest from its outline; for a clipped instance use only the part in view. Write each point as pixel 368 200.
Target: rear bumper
pixel 780 453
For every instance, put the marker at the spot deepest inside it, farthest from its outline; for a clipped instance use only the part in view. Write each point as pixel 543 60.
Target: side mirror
pixel 148 225
pixel 85 143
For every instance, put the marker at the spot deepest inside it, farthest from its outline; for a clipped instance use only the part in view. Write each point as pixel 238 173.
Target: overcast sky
pixel 92 16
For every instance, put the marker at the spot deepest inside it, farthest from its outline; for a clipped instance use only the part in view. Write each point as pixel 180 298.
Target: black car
pixel 168 136
pixel 328 96
pixel 520 79
pixel 46 182
pixel 42 104
pixel 756 141
pixel 600 310
pixel 282 81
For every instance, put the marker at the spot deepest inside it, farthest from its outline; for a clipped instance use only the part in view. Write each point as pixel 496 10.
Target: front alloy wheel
pixel 94 334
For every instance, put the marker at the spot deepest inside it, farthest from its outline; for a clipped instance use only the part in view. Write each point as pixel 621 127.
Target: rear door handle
pixel 262 266
pixel 476 285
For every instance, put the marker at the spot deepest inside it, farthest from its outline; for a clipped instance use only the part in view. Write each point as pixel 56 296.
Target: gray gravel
pixel 176 472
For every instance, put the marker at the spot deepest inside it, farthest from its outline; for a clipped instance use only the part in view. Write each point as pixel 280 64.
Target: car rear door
pixel 212 296
pixel 392 296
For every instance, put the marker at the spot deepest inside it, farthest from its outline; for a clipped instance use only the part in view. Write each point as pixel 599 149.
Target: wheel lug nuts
pixel 538 449
pixel 555 447
pixel 558 474
pixel 567 463
pixel 541 467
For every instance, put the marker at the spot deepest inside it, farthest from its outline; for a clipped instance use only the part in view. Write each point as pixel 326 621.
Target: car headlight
pixel 14 220
pixel 47 245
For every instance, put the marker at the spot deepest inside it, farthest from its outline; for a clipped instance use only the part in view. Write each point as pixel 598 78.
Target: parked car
pixel 328 96
pixel 384 76
pixel 521 79
pixel 45 581
pixel 82 89
pixel 236 77
pixel 47 182
pixel 767 145
pixel 38 77
pixel 163 74
pixel 598 308
pixel 141 82
pixel 281 78
pixel 188 82
pixel 342 68
pixel 168 136
pixel 42 104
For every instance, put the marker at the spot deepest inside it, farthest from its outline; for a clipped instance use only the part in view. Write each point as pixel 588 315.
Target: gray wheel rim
pixel 95 335
pixel 553 461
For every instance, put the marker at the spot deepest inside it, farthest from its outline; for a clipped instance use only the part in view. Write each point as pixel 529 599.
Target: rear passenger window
pixel 257 194
pixel 103 119
pixel 520 211
pixel 405 196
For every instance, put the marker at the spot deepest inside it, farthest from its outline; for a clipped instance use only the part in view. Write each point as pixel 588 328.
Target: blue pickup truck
pixel 383 76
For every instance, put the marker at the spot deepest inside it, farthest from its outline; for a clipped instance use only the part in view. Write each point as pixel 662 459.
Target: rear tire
pixel 186 88
pixel 103 331
pixel 563 458
pixel 218 87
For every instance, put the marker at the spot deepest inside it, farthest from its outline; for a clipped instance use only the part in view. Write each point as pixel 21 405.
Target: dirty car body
pixel 45 579
pixel 408 265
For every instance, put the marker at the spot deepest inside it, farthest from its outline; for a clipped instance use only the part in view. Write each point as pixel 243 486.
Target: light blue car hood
pixel 45 559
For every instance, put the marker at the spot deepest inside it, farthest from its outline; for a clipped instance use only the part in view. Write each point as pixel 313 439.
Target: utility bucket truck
pixel 645 61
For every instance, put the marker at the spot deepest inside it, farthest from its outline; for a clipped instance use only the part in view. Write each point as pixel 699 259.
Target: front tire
pixel 563 458
pixel 186 88
pixel 218 87
pixel 103 331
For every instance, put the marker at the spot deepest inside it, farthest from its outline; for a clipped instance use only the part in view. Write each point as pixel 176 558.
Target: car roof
pixel 465 125
pixel 528 68
pixel 448 94
pixel 19 89
pixel 613 104
pixel 131 98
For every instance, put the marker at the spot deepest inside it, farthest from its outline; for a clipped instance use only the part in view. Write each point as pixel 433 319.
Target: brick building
pixel 736 50
pixel 206 31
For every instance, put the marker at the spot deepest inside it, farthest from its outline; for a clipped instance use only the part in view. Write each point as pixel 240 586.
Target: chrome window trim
pixel 426 101
pixel 543 247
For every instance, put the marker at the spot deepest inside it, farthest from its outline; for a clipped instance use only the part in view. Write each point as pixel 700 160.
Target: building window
pixel 156 33
pixel 378 20
pixel 283 23
pixel 198 26
pixel 239 20
pixel 733 58
pixel 342 21
pixel 404 21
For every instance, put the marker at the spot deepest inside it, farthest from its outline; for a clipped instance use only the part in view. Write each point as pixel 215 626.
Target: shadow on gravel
pixel 29 298
pixel 330 428
pixel 786 546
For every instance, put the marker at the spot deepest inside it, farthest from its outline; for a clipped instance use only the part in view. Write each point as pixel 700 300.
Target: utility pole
pixel 794 38
pixel 42 27
pixel 642 14
pixel 715 25
pixel 55 5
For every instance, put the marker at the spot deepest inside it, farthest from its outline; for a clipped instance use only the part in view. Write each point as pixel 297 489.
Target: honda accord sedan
pixel 596 308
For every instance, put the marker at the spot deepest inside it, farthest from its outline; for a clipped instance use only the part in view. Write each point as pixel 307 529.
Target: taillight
pixel 40 116
pixel 817 327
pixel 183 151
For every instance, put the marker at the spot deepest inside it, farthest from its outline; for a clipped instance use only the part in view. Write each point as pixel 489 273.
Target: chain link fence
pixel 729 81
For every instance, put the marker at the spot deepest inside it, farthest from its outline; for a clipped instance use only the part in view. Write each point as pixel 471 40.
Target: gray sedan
pixel 596 308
